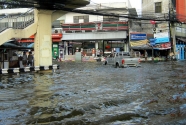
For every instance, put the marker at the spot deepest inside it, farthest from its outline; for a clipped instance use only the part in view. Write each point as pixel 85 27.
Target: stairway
pixel 22 26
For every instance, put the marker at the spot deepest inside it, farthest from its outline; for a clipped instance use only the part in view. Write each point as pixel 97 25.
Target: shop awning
pixel 159 40
pixel 162 46
pixel 182 39
pixel 138 43
pixel 13 46
pixel 143 47
pixel 29 40
pixel 55 38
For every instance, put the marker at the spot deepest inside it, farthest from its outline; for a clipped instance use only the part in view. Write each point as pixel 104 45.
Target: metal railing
pixel 17 22
pixel 3 23
pixel 96 26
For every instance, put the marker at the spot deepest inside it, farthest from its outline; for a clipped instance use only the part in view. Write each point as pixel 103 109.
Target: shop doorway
pixel 70 51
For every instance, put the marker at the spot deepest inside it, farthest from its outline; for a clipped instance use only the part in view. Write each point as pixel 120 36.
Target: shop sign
pixel 54 36
pixel 161 40
pixel 162 46
pixel 162 34
pixel 138 36
pixel 153 22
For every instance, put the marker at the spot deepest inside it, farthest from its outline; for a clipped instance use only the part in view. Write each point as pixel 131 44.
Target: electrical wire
pixel 61 5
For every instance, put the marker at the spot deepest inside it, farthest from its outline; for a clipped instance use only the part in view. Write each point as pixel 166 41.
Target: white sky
pixel 135 3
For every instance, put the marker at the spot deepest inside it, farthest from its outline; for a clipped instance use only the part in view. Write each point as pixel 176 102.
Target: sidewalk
pixel 157 59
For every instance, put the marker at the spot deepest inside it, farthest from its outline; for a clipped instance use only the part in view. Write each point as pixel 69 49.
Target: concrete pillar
pixel 66 47
pixel 126 47
pixel 43 39
pixel 96 47
pixel 96 44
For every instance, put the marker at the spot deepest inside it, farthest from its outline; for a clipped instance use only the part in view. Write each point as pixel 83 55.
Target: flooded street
pixel 90 93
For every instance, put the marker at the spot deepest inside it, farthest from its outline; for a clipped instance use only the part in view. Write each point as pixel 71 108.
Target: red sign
pixel 163 46
pixel 55 38
pixel 153 22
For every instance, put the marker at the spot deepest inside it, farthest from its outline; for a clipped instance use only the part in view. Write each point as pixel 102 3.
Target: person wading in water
pixel 30 59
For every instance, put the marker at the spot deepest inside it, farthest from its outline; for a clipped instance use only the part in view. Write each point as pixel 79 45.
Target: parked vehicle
pixel 121 59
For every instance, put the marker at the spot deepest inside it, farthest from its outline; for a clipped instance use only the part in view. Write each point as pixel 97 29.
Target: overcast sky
pixel 135 3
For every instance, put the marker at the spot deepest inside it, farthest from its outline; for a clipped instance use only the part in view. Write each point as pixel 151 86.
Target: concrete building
pixel 39 23
pixel 157 10
pixel 105 33
pixel 180 29
pixel 173 11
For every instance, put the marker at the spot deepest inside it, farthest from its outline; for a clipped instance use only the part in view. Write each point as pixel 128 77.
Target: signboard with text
pixel 162 46
pixel 138 36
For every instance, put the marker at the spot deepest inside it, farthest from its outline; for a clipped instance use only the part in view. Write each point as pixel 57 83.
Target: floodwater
pixel 90 93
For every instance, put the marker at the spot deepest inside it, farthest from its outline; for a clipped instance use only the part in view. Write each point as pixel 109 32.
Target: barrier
pixel 28 69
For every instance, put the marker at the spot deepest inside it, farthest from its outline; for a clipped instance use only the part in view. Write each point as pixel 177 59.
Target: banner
pixel 162 46
pixel 161 40
pixel 139 43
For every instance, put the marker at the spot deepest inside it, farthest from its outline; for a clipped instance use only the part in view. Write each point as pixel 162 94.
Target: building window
pixel 110 18
pixel 158 7
pixel 81 19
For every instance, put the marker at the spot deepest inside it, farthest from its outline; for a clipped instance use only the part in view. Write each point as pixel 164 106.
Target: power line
pixel 48 4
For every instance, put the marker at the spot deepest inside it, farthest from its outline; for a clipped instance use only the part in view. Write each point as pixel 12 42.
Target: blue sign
pixel 161 40
pixel 138 36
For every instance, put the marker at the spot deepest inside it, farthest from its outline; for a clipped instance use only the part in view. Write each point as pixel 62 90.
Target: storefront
pixel 114 46
pixel 181 48
pixel 94 48
pixel 161 47
pixel 143 47
pixel 139 42
pixel 56 38
pixel 10 55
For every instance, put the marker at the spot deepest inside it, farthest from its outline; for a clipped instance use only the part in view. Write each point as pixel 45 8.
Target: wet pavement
pixel 90 93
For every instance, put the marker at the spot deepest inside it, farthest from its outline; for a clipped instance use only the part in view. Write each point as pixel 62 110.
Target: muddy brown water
pixel 90 93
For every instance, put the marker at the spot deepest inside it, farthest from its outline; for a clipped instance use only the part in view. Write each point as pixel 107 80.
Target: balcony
pixel 95 27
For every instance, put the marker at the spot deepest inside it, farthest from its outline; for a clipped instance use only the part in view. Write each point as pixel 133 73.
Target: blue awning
pixel 159 40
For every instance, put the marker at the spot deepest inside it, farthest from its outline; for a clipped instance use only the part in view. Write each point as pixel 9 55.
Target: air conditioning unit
pixel 83 31
pixel 93 30
pixel 73 31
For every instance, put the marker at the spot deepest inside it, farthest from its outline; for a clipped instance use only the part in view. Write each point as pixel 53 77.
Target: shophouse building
pixel 152 36
pixel 96 34
pixel 167 24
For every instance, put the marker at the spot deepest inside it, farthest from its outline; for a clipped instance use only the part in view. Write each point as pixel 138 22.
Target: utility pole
pixel 172 29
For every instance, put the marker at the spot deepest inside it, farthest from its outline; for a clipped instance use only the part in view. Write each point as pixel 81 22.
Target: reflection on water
pixel 92 93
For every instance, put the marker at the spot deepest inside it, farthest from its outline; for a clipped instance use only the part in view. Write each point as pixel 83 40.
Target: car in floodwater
pixel 121 59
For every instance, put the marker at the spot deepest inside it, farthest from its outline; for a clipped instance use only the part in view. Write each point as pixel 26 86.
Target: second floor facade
pixel 80 22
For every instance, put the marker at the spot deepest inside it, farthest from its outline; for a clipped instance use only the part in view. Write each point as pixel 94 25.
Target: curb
pixel 28 69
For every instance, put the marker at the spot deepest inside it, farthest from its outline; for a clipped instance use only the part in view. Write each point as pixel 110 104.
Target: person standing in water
pixel 30 59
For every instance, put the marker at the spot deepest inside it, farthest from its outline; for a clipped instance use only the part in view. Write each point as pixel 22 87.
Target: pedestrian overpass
pixel 38 21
